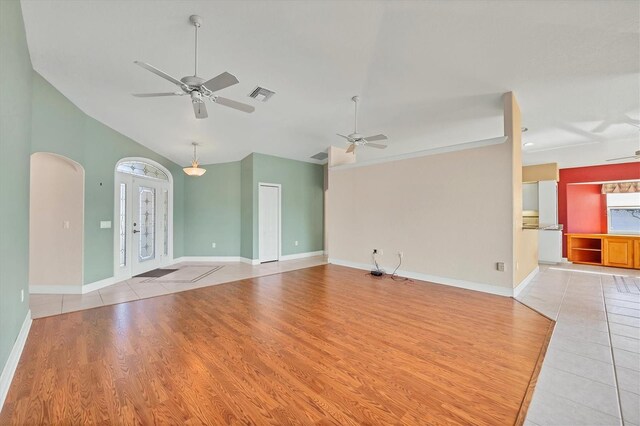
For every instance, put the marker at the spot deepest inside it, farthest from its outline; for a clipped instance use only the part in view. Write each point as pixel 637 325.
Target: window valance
pixel 620 187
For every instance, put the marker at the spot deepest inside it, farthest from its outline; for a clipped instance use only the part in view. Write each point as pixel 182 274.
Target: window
pixel 623 213
pixel 139 168
pixel 123 224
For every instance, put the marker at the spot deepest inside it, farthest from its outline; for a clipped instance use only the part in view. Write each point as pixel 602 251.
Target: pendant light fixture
pixel 195 169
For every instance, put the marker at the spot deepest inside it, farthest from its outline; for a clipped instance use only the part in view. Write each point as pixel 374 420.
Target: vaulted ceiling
pixel 429 73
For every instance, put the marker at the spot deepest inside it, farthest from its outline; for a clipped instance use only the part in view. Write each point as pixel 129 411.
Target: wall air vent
pixel 320 156
pixel 261 94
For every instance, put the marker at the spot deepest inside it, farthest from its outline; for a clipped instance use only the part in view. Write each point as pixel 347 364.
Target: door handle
pixel 135 231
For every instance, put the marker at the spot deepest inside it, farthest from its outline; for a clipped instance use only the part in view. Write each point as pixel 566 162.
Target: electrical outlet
pixel 500 266
pixel 213 245
pixel 401 254
pixel 295 244
pixel 22 295
pixel 375 251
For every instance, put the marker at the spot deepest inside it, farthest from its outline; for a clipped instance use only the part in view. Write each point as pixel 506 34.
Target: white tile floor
pixel 43 305
pixel 591 373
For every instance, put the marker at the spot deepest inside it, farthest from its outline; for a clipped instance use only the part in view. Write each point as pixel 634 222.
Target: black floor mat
pixel 155 273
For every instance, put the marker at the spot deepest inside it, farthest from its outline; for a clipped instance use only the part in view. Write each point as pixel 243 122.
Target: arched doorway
pixel 143 231
pixel 56 223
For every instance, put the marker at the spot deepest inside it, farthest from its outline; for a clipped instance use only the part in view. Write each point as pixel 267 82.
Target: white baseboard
pixel 518 289
pixel 207 259
pixel 97 285
pixel 73 289
pixel 302 255
pixel 55 289
pixel 454 282
pixel 14 356
pixel 223 259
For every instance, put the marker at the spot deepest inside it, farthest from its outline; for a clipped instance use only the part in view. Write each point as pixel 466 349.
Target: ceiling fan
pixel 355 139
pixel 197 88
pixel 635 156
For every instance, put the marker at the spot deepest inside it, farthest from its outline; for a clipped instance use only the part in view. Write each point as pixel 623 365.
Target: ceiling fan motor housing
pixel 192 81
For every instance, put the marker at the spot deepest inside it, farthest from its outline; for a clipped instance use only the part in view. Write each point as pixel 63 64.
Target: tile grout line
pixel 613 358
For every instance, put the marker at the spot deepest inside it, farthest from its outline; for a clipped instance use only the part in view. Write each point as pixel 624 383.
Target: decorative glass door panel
pixel 147 224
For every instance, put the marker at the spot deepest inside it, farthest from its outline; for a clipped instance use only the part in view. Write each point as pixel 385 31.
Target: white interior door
pixel 269 222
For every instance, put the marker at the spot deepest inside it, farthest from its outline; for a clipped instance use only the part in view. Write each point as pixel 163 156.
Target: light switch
pixel 65 224
pixel 105 224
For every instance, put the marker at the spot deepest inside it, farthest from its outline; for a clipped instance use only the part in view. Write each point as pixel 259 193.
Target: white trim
pixel 74 289
pixel 55 289
pixel 224 259
pixel 302 255
pixel 9 368
pixel 565 260
pixel 469 285
pixel 206 259
pixel 97 285
pixel 425 152
pixel 524 283
pixel 279 186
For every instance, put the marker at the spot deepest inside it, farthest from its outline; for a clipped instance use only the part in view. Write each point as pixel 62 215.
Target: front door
pixel 142 225
pixel 146 225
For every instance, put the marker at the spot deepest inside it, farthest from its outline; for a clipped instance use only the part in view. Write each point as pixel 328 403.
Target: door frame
pixel 279 186
pixel 126 272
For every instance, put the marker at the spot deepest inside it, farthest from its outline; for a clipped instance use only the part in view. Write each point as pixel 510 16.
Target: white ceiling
pixel 429 73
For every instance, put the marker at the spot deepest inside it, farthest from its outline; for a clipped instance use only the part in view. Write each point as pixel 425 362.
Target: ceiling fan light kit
pixel 355 139
pixel 195 169
pixel 196 87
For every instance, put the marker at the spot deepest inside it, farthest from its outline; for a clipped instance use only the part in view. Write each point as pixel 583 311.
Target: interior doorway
pixel 269 222
pixel 143 231
pixel 56 223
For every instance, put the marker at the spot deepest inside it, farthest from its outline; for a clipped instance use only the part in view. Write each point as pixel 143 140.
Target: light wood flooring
pixel 323 345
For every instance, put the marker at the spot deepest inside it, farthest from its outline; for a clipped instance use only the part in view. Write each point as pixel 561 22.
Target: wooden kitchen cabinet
pixel 620 251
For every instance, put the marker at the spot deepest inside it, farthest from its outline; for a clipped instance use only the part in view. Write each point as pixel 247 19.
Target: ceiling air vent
pixel 261 94
pixel 320 156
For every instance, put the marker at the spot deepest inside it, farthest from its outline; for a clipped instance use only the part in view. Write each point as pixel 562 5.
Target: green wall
pixel 246 216
pixel 222 206
pixel 302 202
pixel 219 207
pixel 58 126
pixel 15 134
pixel 213 211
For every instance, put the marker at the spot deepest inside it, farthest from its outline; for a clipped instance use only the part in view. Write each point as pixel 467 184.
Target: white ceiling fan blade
pixel 623 158
pixel 234 104
pixel 376 145
pixel 351 148
pixel 221 81
pixel 380 137
pixel 160 73
pixel 153 95
pixel 200 109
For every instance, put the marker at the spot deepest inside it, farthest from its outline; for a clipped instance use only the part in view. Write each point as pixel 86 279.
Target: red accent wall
pixel 585 212
pixel 586 209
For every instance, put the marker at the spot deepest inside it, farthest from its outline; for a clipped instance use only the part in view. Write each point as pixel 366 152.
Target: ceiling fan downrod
pixel 197 22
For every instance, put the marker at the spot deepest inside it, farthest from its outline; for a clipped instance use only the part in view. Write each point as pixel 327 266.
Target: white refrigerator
pixel 550 233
